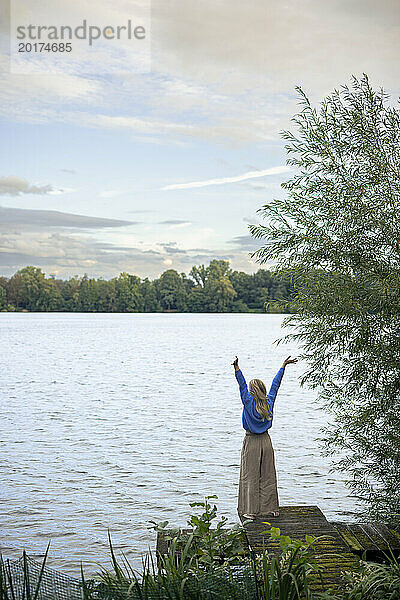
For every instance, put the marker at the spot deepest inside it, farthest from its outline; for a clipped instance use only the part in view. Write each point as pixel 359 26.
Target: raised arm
pixel 278 378
pixel 244 392
pixel 275 385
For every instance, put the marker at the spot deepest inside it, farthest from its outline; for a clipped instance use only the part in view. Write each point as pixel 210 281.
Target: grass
pixel 210 564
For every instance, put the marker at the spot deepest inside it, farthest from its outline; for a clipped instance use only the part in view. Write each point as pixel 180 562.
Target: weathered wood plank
pixel 369 537
pixel 330 551
pixel 336 548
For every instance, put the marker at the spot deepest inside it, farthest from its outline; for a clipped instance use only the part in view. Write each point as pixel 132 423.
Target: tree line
pixel 212 288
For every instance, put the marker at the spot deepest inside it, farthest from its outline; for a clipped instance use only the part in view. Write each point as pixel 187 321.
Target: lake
pixel 110 420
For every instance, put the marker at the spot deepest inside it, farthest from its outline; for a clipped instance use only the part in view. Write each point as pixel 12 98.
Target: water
pixel 110 420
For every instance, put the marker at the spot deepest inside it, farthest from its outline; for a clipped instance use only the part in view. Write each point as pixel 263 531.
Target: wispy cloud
pixel 70 171
pixel 175 223
pixel 246 242
pixel 250 220
pixel 14 186
pixel 223 180
pixel 54 218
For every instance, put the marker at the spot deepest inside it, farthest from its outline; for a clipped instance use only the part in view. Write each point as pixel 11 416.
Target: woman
pixel 258 492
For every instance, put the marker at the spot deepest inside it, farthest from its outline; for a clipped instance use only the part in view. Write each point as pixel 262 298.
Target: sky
pixel 141 156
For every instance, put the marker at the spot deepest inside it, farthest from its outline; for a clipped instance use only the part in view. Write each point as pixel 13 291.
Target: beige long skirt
pixel 258 491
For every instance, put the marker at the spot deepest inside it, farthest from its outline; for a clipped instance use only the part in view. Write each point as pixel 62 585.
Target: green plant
pixel 218 543
pixel 210 540
pixel 8 587
pixel 176 576
pixel 287 577
pixel 375 581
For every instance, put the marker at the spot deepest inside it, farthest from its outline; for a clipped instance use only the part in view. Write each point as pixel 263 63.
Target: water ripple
pixel 109 421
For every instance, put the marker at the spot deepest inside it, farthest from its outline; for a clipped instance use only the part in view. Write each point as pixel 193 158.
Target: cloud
pixel 149 129
pixel 240 129
pixel 263 41
pixel 246 242
pixel 64 190
pixel 15 186
pixel 223 180
pixel 236 129
pixel 42 98
pixel 270 185
pixel 175 222
pixel 221 71
pixel 55 218
pixel 171 248
pixel 70 254
pixel 75 251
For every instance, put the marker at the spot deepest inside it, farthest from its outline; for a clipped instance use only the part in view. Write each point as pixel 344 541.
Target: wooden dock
pixel 372 538
pixel 337 549
pixel 330 551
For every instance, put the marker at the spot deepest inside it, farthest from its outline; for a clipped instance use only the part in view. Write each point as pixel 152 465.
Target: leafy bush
pixel 375 581
pixel 287 577
pixel 212 563
pixel 209 542
pixel 176 575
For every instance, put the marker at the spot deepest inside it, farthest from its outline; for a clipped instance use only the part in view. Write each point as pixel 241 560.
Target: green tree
pixel 70 295
pixel 214 288
pixel 263 281
pixel 14 295
pixel 148 292
pixel 279 294
pixel 218 287
pixel 243 284
pixel 336 234
pixel 106 296
pixel 187 282
pixel 172 291
pixel 197 296
pixel 197 300
pixel 214 291
pixel 88 294
pixel 199 275
pixel 128 297
pixel 220 294
pixel 3 298
pixel 240 306
pixel 51 299
pixel 27 288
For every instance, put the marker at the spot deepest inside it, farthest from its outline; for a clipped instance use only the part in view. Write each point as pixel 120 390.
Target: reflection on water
pixel 110 420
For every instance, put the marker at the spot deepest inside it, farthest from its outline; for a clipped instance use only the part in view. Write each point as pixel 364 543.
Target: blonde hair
pixel 259 393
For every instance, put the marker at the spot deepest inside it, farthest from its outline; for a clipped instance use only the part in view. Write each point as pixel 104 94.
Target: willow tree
pixel 336 233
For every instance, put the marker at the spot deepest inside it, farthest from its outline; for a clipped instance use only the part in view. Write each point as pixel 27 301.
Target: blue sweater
pixel 251 419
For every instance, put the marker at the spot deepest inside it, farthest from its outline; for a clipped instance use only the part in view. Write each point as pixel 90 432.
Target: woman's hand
pixel 289 361
pixel 236 363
